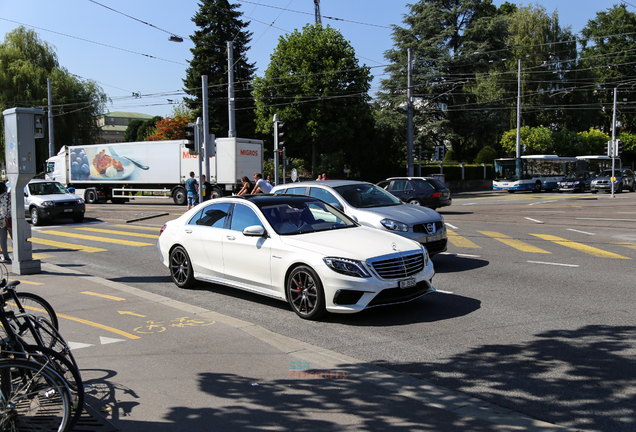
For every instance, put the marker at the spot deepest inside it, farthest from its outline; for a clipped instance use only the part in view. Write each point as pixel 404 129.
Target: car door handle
pixel 230 237
pixel 188 231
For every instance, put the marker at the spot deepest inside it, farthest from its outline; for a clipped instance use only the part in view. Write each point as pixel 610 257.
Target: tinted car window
pixel 242 217
pixel 297 191
pixel 213 215
pixel 400 185
pixel 424 184
pixel 324 195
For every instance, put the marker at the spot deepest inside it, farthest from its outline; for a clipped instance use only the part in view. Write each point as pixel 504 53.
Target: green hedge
pixel 454 171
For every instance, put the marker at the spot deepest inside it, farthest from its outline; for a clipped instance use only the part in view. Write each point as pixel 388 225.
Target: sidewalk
pixel 151 363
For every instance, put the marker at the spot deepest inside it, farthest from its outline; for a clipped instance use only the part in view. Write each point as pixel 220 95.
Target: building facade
pixel 113 125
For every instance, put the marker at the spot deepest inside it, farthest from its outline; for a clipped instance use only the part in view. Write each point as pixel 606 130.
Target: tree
pixel 170 128
pixel 534 140
pixel 218 22
pixel 447 37
pixel 148 128
pixel 607 51
pixel 486 155
pixel 132 129
pixel 594 141
pixel 26 62
pixel 316 86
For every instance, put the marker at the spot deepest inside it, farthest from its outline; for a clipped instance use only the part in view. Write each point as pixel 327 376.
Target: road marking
pixel 65 245
pixel 534 220
pixel 459 255
pixel 131 313
pixel 137 227
pixel 103 296
pixel 77 345
pixel 452 226
pixel 101 326
pixel 580 247
pixel 31 283
pixel 99 239
pixel 106 340
pixel 582 232
pixel 467 204
pixel 555 264
pixel 608 219
pixel 517 244
pixel 627 245
pixel 443 292
pixel 125 233
pixel 460 241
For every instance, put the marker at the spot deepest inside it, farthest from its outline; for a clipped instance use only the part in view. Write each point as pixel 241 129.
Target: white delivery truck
pixel 101 172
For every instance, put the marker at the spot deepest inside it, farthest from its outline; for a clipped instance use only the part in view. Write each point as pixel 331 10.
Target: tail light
pixel 437 194
pixel 163 228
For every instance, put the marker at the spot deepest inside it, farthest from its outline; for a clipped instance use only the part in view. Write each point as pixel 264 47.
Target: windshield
pixel 46 188
pixel 362 195
pixel 608 173
pixel 305 217
pixel 575 175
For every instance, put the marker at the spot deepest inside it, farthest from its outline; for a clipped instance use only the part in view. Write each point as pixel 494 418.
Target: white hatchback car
pixel 296 249
pixel 372 206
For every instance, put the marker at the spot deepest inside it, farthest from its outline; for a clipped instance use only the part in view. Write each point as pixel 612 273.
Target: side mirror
pixel 254 231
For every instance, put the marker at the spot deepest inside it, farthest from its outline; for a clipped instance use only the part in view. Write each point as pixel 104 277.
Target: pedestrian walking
pixel 192 187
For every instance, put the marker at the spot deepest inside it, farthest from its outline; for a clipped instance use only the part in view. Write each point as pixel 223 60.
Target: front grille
pixel 398 295
pixel 397 266
pixel 64 203
pixel 347 297
pixel 436 246
pixel 422 228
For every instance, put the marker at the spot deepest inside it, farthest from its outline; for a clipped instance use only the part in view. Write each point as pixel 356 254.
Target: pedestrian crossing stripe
pixel 141 227
pixel 95 238
pixel 580 247
pixel 460 241
pixel 517 244
pixel 62 245
pixel 125 233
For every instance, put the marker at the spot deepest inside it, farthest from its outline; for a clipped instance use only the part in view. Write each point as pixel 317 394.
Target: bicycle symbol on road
pixel 152 326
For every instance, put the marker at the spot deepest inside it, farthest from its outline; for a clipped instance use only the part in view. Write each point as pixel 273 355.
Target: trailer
pixel 118 172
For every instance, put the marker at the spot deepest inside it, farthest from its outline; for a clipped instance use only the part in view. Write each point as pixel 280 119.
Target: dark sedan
pixel 424 191
pixel 578 181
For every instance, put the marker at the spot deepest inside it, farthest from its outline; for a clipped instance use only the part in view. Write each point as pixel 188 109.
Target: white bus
pixel 530 173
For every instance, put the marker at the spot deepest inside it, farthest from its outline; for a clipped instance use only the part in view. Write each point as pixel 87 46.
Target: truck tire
pixel 216 193
pixel 90 196
pixel 179 196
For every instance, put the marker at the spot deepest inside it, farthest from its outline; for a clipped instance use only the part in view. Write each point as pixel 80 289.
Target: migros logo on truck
pixel 243 152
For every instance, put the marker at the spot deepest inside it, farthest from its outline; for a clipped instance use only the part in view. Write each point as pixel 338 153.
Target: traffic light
pixel 619 147
pixel 609 148
pixel 281 133
pixel 191 136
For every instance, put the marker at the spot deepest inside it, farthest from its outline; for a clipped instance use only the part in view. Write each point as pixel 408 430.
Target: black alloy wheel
pixel 305 293
pixel 181 268
pixel 537 186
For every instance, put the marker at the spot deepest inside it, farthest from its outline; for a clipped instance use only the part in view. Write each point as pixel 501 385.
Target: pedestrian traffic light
pixel 619 147
pixel 281 133
pixel 190 136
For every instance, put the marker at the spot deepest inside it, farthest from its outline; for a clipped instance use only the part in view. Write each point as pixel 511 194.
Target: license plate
pixel 68 210
pixel 408 283
pixel 445 194
pixel 433 238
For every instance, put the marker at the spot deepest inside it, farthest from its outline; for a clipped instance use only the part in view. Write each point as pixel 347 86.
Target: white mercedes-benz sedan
pixel 297 249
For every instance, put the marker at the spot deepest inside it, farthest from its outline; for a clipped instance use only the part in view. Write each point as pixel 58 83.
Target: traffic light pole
pixel 614 146
pixel 276 149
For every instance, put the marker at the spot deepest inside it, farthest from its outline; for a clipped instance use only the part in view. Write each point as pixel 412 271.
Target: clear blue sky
pixel 96 40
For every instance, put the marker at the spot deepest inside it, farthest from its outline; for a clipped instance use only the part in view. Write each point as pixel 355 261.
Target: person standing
pixel 206 188
pixel 261 185
pixel 192 187
pixel 5 217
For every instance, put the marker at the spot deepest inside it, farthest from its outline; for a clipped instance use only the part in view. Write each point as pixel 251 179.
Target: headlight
pixel 346 267
pixel 425 252
pixel 392 225
pixel 47 204
pixel 80 201
pixel 576 183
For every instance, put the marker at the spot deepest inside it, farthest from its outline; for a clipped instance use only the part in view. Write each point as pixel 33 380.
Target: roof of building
pixel 123 114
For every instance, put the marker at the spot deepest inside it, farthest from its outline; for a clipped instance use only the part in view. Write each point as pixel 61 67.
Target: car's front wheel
pixel 414 202
pixel 78 218
pixel 35 217
pixel 181 268
pixel 305 293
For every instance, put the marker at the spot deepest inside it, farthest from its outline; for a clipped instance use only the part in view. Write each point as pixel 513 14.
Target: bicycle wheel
pixel 35 305
pixel 34 397
pixel 66 370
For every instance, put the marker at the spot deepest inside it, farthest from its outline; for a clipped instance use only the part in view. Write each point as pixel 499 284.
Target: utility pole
pixel 230 90
pixel 317 7
pixel 613 176
pixel 51 143
pixel 409 102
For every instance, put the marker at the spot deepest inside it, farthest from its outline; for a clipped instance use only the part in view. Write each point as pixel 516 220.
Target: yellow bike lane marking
pixel 580 247
pixel 517 244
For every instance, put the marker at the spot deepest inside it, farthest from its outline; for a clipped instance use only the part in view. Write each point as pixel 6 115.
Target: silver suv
pixel 47 199
pixel 372 206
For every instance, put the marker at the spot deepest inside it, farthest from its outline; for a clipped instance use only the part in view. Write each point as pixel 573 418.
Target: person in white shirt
pixel 261 185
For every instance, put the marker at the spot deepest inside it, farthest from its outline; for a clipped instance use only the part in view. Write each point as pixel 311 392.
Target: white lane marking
pixel 452 226
pixel 469 204
pixel 459 255
pixel 106 340
pixel 443 292
pixel 555 264
pixel 582 232
pixel 534 220
pixel 78 345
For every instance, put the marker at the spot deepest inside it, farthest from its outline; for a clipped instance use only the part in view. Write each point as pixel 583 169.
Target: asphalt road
pixel 534 310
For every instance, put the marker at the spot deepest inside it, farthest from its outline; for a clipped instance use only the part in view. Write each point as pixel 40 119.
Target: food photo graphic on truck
pixel 102 172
